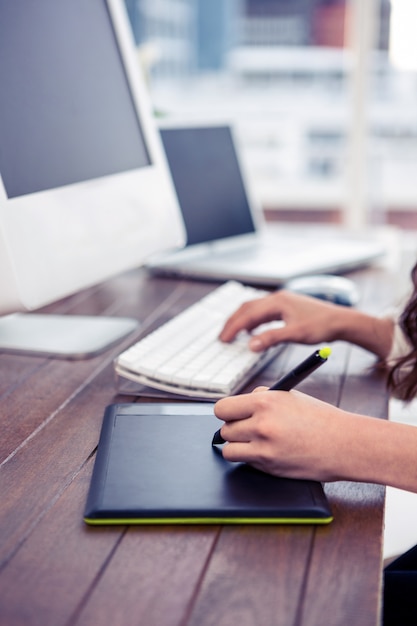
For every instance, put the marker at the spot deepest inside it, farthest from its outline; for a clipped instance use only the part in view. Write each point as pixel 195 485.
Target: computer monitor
pixel 85 191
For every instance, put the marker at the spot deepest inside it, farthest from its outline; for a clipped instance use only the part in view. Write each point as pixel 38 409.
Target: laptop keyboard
pixel 184 356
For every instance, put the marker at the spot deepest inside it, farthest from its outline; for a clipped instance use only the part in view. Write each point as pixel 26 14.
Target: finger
pixel 269 338
pixel 233 326
pixel 234 408
pixel 249 316
pixel 238 452
pixel 238 431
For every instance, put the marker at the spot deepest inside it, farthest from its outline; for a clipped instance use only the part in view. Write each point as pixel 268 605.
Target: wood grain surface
pixel 54 570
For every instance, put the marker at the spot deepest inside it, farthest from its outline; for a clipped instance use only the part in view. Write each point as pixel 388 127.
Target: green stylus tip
pixel 325 352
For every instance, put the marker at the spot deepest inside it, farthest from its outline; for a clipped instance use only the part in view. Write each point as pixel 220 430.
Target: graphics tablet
pixel 155 464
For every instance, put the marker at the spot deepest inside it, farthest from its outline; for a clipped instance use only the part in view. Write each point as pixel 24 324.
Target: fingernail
pixel 255 344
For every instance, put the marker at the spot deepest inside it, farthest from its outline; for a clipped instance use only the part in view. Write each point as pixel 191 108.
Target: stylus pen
pixel 291 379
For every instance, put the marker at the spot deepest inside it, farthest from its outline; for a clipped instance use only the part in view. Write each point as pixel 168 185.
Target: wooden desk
pixel 55 570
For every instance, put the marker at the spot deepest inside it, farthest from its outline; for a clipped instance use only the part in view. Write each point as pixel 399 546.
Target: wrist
pixel 369 332
pixel 378 451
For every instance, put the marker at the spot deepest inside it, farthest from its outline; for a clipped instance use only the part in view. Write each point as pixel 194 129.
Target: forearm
pixel 369 332
pixel 378 451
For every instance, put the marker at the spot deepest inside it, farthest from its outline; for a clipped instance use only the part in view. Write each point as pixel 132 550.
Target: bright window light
pixel 403 41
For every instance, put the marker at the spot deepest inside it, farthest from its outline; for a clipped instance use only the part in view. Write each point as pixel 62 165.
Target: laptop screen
pixel 208 182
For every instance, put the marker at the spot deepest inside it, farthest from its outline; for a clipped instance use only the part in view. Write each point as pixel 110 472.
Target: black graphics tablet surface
pixel 155 464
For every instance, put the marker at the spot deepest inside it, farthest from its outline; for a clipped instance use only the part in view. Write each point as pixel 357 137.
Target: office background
pixel 322 93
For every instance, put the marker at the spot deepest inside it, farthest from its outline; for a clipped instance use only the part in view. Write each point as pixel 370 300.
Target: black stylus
pixel 290 380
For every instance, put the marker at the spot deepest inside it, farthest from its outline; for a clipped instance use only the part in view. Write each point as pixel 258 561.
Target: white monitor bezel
pixel 54 243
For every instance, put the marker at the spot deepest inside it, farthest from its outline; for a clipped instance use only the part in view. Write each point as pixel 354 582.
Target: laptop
pixel 226 236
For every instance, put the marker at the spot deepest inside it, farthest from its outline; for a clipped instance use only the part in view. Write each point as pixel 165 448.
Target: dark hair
pixel 404 385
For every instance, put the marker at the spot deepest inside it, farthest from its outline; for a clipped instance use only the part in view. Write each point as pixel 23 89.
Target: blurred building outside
pixel 280 71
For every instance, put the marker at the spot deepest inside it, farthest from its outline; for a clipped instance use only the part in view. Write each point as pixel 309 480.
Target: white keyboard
pixel 184 356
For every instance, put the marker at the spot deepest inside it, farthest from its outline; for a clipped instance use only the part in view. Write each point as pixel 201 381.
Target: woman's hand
pixel 310 321
pixel 281 433
pixel 294 435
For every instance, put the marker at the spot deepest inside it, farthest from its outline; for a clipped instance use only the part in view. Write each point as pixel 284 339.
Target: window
pixel 322 93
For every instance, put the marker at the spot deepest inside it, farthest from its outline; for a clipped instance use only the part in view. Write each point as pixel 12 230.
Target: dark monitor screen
pixel 66 111
pixel 85 191
pixel 208 181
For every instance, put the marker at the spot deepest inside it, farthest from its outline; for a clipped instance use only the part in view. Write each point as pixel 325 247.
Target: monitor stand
pixel 62 336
